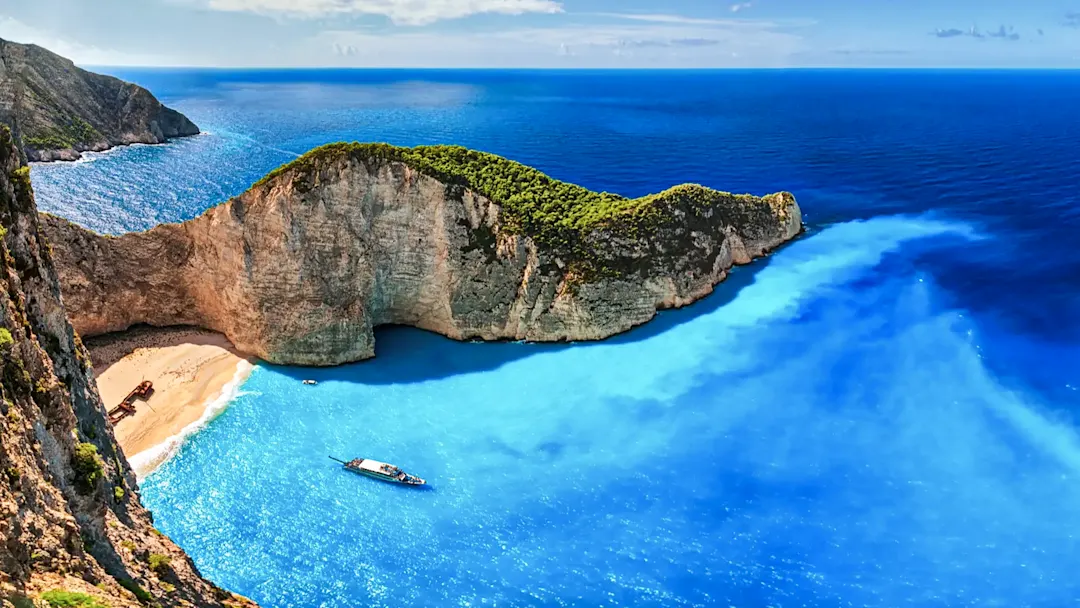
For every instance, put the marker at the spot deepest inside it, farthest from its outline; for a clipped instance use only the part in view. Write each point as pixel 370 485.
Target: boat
pixel 310 382
pixel 381 471
pixel 127 406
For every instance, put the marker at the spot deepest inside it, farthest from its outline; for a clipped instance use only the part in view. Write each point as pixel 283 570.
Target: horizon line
pixel 589 69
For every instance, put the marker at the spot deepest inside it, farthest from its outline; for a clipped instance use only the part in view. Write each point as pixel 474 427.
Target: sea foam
pixel 145 462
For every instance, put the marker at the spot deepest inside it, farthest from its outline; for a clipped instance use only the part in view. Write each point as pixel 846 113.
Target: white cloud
pixel 725 44
pixel 673 19
pixel 82 54
pixel 741 6
pixel 402 12
pixel 741 22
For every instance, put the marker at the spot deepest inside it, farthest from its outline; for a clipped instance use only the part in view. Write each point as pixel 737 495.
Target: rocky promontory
pixel 59 110
pixel 302 267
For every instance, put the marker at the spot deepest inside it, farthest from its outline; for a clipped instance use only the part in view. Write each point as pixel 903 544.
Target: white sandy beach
pixel 193 372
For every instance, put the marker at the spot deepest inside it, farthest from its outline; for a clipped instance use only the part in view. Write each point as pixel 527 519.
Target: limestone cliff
pixel 70 516
pixel 299 269
pixel 59 110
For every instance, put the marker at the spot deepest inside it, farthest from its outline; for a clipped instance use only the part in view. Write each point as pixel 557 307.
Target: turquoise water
pixel 705 460
pixel 884 413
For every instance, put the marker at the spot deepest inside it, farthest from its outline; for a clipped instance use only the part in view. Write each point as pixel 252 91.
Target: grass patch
pixel 68 599
pixel 159 563
pixel 89 468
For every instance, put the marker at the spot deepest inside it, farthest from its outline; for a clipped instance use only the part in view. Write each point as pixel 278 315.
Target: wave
pixel 145 462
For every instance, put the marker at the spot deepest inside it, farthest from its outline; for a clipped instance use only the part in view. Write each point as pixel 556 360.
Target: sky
pixel 552 33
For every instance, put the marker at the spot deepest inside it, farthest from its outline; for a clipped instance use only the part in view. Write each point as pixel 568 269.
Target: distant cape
pixel 59 111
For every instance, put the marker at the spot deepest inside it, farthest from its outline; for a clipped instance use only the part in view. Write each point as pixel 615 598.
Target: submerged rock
pixel 59 110
pixel 301 268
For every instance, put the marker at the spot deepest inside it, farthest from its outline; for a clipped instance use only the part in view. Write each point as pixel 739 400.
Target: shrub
pixel 13 474
pixel 5 337
pixel 89 468
pixel 118 493
pixel 168 587
pixel 159 563
pixel 134 587
pixel 127 544
pixel 68 599
pixel 61 137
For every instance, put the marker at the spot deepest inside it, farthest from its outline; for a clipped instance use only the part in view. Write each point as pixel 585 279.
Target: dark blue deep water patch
pixel 885 413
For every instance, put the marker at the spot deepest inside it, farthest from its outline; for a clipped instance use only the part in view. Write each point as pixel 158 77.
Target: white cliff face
pixel 300 269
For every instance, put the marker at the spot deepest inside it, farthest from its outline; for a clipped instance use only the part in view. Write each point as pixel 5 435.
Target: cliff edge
pixel 301 268
pixel 59 110
pixel 72 529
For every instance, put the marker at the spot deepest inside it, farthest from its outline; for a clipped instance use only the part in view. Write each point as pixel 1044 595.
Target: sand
pixel 191 369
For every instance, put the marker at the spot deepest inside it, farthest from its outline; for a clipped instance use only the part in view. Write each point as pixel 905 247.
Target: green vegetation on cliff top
pixel 554 212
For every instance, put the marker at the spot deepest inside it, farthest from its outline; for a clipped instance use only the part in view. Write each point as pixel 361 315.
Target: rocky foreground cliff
pixel 302 267
pixel 72 529
pixel 59 110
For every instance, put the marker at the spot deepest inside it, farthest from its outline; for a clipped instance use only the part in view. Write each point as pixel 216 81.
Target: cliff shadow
pixel 107 349
pixel 405 355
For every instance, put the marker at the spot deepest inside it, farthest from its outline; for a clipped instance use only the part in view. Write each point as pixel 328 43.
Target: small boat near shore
pixel 381 471
pixel 310 382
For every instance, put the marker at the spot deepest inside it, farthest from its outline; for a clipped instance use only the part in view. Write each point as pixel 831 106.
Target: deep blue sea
pixel 885 413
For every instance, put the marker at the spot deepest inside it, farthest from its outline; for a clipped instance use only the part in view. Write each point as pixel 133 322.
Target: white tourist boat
pixel 381 471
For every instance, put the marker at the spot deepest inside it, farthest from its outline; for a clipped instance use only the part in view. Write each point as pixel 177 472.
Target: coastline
pixel 73 156
pixel 195 373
